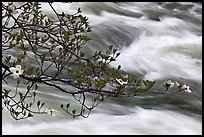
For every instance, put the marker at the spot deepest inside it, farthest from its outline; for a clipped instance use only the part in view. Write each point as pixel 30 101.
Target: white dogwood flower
pixel 121 82
pixel 12 9
pixel 169 83
pixel 186 88
pixel 177 84
pixel 51 111
pixel 16 71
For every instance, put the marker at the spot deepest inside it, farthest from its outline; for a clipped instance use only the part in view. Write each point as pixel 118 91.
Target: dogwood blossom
pixel 51 111
pixel 186 88
pixel 169 83
pixel 12 9
pixel 177 84
pixel 121 82
pixel 16 71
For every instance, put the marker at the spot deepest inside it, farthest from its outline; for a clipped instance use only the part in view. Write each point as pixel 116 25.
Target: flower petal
pixel 12 69
pixel 189 90
pixel 177 84
pixel 184 86
pixel 119 81
pixel 18 67
pixel 21 72
pixel 15 76
pixel 172 84
pixel 124 82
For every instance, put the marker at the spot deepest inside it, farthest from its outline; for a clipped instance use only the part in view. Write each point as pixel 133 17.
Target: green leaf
pixel 6 91
pixel 138 83
pixel 16 113
pixel 21 95
pixel 101 84
pixel 21 34
pixel 30 104
pixel 129 93
pixel 120 90
pixel 145 82
pixel 30 115
pixel 82 54
pixel 74 111
pixel 7 59
pixel 50 20
pixel 34 94
pixel 117 54
pixel 62 105
pixel 139 89
pixel 29 36
pixel 38 103
pixel 67 106
pixel 11 45
pixel 119 67
pixel 80 80
pixel 110 47
pixel 114 51
pixel 151 83
pixel 148 83
pixel 79 10
pixel 89 29
pixel 21 56
pixel 112 59
pixel 42 105
pixel 89 82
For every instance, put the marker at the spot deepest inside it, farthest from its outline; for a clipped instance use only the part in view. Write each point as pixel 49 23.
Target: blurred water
pixel 141 122
pixel 157 41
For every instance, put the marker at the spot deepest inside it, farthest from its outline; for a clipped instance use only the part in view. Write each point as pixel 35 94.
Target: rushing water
pixel 157 41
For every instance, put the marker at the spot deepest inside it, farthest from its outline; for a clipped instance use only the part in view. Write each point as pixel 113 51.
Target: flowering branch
pixel 49 52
